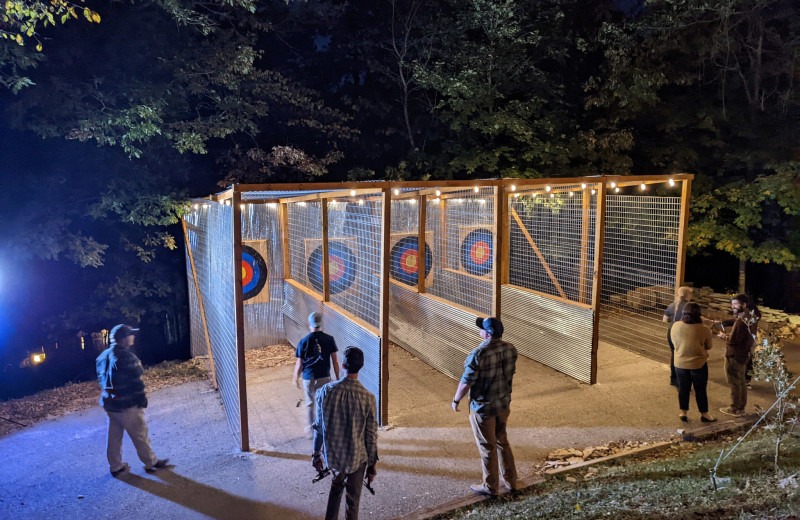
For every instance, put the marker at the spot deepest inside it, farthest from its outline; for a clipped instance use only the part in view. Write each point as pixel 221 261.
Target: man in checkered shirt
pixel 347 429
pixel 488 373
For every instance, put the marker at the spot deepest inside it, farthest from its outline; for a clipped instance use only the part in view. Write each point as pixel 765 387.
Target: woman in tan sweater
pixel 692 342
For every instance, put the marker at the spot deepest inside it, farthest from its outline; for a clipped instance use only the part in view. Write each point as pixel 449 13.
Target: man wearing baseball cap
pixel 124 400
pixel 488 374
pixel 314 355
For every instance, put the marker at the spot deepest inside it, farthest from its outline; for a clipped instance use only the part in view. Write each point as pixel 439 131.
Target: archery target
pixel 404 259
pixel 341 266
pixel 476 252
pixel 254 273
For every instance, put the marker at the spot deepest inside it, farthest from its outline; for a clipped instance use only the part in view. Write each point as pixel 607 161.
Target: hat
pixel 493 326
pixel 121 332
pixel 315 319
pixel 353 359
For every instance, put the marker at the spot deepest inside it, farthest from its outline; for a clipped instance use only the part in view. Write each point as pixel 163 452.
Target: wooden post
pixel 443 231
pixel 680 269
pixel 326 267
pixel 597 273
pixel 539 254
pixel 239 304
pixel 421 246
pixel 200 304
pixel 586 204
pixel 386 228
pixel 284 218
pixel 498 263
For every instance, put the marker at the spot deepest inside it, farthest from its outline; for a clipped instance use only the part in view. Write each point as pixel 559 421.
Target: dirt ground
pixel 57 468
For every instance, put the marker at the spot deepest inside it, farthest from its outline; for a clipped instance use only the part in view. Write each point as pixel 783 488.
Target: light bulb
pixel 547 188
pixel 672 182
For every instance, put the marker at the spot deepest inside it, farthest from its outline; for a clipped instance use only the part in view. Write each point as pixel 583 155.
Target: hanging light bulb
pixel 592 192
pixel 571 194
pixel 552 195
pixel 352 193
pixel 616 190
pixel 396 191
pixel 583 186
pixel 516 195
pixel 476 189
pixel 513 187
pixel 360 202
pixel 672 182
pixel 643 186
pixel 438 193
pixel 241 206
pixel 547 188
pixel 613 184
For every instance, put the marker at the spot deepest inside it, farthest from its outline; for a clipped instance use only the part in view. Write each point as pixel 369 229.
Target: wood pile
pixel 717 306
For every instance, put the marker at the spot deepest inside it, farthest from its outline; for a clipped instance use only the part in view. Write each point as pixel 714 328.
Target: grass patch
pixel 673 485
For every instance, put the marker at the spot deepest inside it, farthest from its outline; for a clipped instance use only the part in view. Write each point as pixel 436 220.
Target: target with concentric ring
pixel 404 260
pixel 476 252
pixel 341 265
pixel 254 272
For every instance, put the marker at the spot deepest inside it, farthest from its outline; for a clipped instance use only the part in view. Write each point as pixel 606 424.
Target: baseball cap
pixel 315 319
pixel 122 331
pixel 493 326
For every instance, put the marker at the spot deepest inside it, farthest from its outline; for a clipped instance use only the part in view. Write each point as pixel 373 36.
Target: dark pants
pixel 351 482
pixel 673 377
pixel 697 378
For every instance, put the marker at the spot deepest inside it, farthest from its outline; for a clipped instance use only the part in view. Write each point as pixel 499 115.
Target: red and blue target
pixel 341 267
pixel 404 260
pixel 254 272
pixel 476 252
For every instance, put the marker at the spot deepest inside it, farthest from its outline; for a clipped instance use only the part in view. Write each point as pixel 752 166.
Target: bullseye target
pixel 254 272
pixel 341 266
pixel 404 260
pixel 476 252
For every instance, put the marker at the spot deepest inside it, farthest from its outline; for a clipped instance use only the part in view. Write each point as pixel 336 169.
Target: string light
pixel 438 193
pixel 643 186
pixel 534 195
pixel 571 194
pixel 592 192
pixel 583 186
pixel 672 182
pixel 436 200
pixel 228 202
pixel 552 195
pixel 613 184
pixel 476 189
pixel 396 191
pixel 616 190
pixel 360 202
pixel 196 206
pixel 241 206
pixel 513 187
pixel 412 201
pixel 516 195
pixel 352 193
pixel 547 188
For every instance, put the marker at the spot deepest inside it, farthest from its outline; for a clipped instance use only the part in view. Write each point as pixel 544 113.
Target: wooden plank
pixel 386 232
pixel 339 194
pixel 586 201
pixel 443 231
pixel 200 303
pixel 550 296
pixel 352 317
pixel 453 304
pixel 239 294
pixel 505 233
pixel 656 446
pixel 683 228
pixel 326 265
pixel 597 274
pixel 538 253
pixel 500 203
pixel 421 225
pixel 300 287
pixel 284 223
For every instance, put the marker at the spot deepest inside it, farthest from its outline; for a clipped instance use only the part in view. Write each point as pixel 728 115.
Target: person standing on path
pixel 738 350
pixel 673 313
pixel 692 342
pixel 314 355
pixel 346 436
pixel 124 400
pixel 488 374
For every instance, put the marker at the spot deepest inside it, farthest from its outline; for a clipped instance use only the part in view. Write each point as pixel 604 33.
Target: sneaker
pixel 749 386
pixel 509 488
pixel 728 410
pixel 160 464
pixel 482 490
pixel 121 470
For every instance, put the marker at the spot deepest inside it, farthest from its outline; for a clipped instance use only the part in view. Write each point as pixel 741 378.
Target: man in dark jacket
pixel 738 350
pixel 124 400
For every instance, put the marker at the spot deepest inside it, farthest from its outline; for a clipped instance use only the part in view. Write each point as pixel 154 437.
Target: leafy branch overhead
pixel 23 18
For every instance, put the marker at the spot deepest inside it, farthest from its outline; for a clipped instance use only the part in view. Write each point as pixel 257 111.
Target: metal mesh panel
pixel 354 231
pixel 639 261
pixel 296 308
pixel 552 332
pixel 551 236
pixel 305 234
pixel 213 255
pixel 437 333
pixel 462 227
pixel 197 338
pixel 263 321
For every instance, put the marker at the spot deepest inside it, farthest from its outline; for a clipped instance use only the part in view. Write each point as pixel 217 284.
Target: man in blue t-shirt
pixel 314 355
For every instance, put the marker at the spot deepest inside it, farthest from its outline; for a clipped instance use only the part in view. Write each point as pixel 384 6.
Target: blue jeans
pixel 697 378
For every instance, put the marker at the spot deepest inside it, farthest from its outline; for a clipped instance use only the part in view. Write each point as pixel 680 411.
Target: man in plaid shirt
pixel 488 373
pixel 347 429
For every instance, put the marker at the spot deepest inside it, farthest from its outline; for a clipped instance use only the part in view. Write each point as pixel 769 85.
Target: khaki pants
pixel 737 379
pixel 130 420
pixel 490 436
pixel 310 387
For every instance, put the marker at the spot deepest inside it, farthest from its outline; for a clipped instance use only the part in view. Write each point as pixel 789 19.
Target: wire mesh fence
pixel 462 224
pixel 305 239
pixel 551 240
pixel 211 225
pixel 639 269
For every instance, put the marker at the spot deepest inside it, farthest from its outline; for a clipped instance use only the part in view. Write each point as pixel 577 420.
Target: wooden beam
pixel 300 287
pixel 200 304
pixel 386 232
pixel 239 308
pixel 550 296
pixel 538 253
pixel 586 202
pixel 683 225
pixel 597 276
pixel 421 226
pixel 443 231
pixel 284 223
pixel 326 265
pixel 498 265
